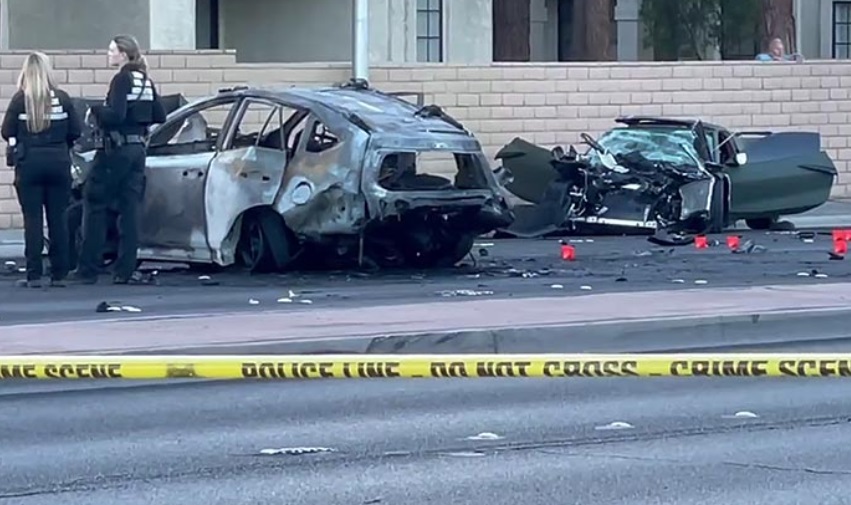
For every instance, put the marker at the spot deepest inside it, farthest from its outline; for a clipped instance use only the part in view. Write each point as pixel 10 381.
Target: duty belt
pixel 134 139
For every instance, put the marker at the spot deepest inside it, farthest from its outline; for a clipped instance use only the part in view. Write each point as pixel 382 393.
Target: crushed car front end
pixel 644 180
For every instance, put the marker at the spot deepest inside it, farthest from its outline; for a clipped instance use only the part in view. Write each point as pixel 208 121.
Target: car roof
pixel 638 121
pixel 382 112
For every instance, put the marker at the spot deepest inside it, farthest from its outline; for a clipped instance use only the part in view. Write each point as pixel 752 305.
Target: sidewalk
pixel 833 214
pixel 366 329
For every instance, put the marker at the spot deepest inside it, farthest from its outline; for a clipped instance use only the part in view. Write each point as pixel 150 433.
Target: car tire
pixel 265 243
pixel 452 249
pixel 762 223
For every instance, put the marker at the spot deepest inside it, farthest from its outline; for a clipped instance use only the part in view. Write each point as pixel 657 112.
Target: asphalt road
pixel 406 442
pixel 510 268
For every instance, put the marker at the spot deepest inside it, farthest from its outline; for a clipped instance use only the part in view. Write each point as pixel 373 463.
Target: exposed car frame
pixel 753 176
pixel 280 199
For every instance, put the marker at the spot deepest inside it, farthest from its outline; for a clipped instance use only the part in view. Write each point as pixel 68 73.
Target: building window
pixel 842 30
pixel 430 30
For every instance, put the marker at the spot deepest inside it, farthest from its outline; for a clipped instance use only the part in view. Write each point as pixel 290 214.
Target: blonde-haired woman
pixel 40 127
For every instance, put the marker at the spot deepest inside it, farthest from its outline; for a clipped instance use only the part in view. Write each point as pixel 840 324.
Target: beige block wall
pixel 545 103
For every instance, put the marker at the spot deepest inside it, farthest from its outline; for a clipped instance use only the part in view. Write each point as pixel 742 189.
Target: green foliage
pixel 686 28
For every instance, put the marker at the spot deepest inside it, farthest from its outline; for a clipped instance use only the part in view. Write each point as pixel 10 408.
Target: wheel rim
pixel 252 249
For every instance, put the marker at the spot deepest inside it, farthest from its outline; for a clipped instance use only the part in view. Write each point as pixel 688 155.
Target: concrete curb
pixel 760 331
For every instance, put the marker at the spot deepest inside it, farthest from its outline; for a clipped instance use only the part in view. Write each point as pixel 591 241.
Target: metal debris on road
pixel 296 451
pixel 115 307
pixel 617 425
pixel 743 414
pixel 463 292
pixel 485 436
pixel 749 247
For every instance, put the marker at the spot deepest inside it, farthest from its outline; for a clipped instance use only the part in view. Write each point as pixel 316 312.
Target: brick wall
pixel 545 103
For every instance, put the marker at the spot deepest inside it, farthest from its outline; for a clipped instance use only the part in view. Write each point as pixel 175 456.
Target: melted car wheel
pixel 437 249
pixel 265 243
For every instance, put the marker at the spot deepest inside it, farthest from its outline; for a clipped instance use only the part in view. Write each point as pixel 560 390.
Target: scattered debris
pixel 206 280
pixel 485 436
pixel 808 237
pixel 115 307
pixel 617 425
pixel 749 247
pixel 463 292
pixel 296 451
pixel 744 414
pixel 465 454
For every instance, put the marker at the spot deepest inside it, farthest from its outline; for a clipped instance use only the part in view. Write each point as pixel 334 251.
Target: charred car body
pixel 274 177
pixel 667 175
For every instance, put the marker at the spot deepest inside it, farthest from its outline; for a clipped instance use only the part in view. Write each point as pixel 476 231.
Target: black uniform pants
pixel 117 179
pixel 43 185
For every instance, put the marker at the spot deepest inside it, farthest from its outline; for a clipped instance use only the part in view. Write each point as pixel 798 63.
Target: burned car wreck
pixel 669 177
pixel 277 178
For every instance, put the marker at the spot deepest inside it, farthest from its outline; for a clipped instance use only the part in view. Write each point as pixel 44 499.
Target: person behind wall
pixel 117 176
pixel 40 127
pixel 777 52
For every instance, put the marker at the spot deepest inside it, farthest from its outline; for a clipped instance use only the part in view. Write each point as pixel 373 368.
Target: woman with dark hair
pixel 118 172
pixel 40 126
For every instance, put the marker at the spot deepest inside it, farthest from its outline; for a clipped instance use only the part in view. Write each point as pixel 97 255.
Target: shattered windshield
pixel 671 146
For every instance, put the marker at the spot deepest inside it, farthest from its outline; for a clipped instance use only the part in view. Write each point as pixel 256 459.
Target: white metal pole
pixel 798 10
pixel 360 39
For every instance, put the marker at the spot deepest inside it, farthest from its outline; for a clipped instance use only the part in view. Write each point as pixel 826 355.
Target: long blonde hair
pixel 36 81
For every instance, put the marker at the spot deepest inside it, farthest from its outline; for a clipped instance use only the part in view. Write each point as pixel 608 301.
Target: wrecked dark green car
pixel 674 175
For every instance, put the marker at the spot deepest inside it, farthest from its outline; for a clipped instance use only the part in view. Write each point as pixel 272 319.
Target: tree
pixel 511 38
pixel 678 29
pixel 778 21
pixel 600 32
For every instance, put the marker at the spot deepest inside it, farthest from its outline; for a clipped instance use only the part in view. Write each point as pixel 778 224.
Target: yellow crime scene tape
pixel 286 367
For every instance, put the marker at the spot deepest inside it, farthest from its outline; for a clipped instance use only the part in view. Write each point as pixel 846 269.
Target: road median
pixel 650 321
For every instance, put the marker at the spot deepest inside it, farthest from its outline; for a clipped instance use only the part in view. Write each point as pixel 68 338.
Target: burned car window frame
pixel 293 203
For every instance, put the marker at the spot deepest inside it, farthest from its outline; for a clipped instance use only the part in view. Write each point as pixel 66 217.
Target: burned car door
pixel 179 155
pixel 249 170
pixel 782 173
